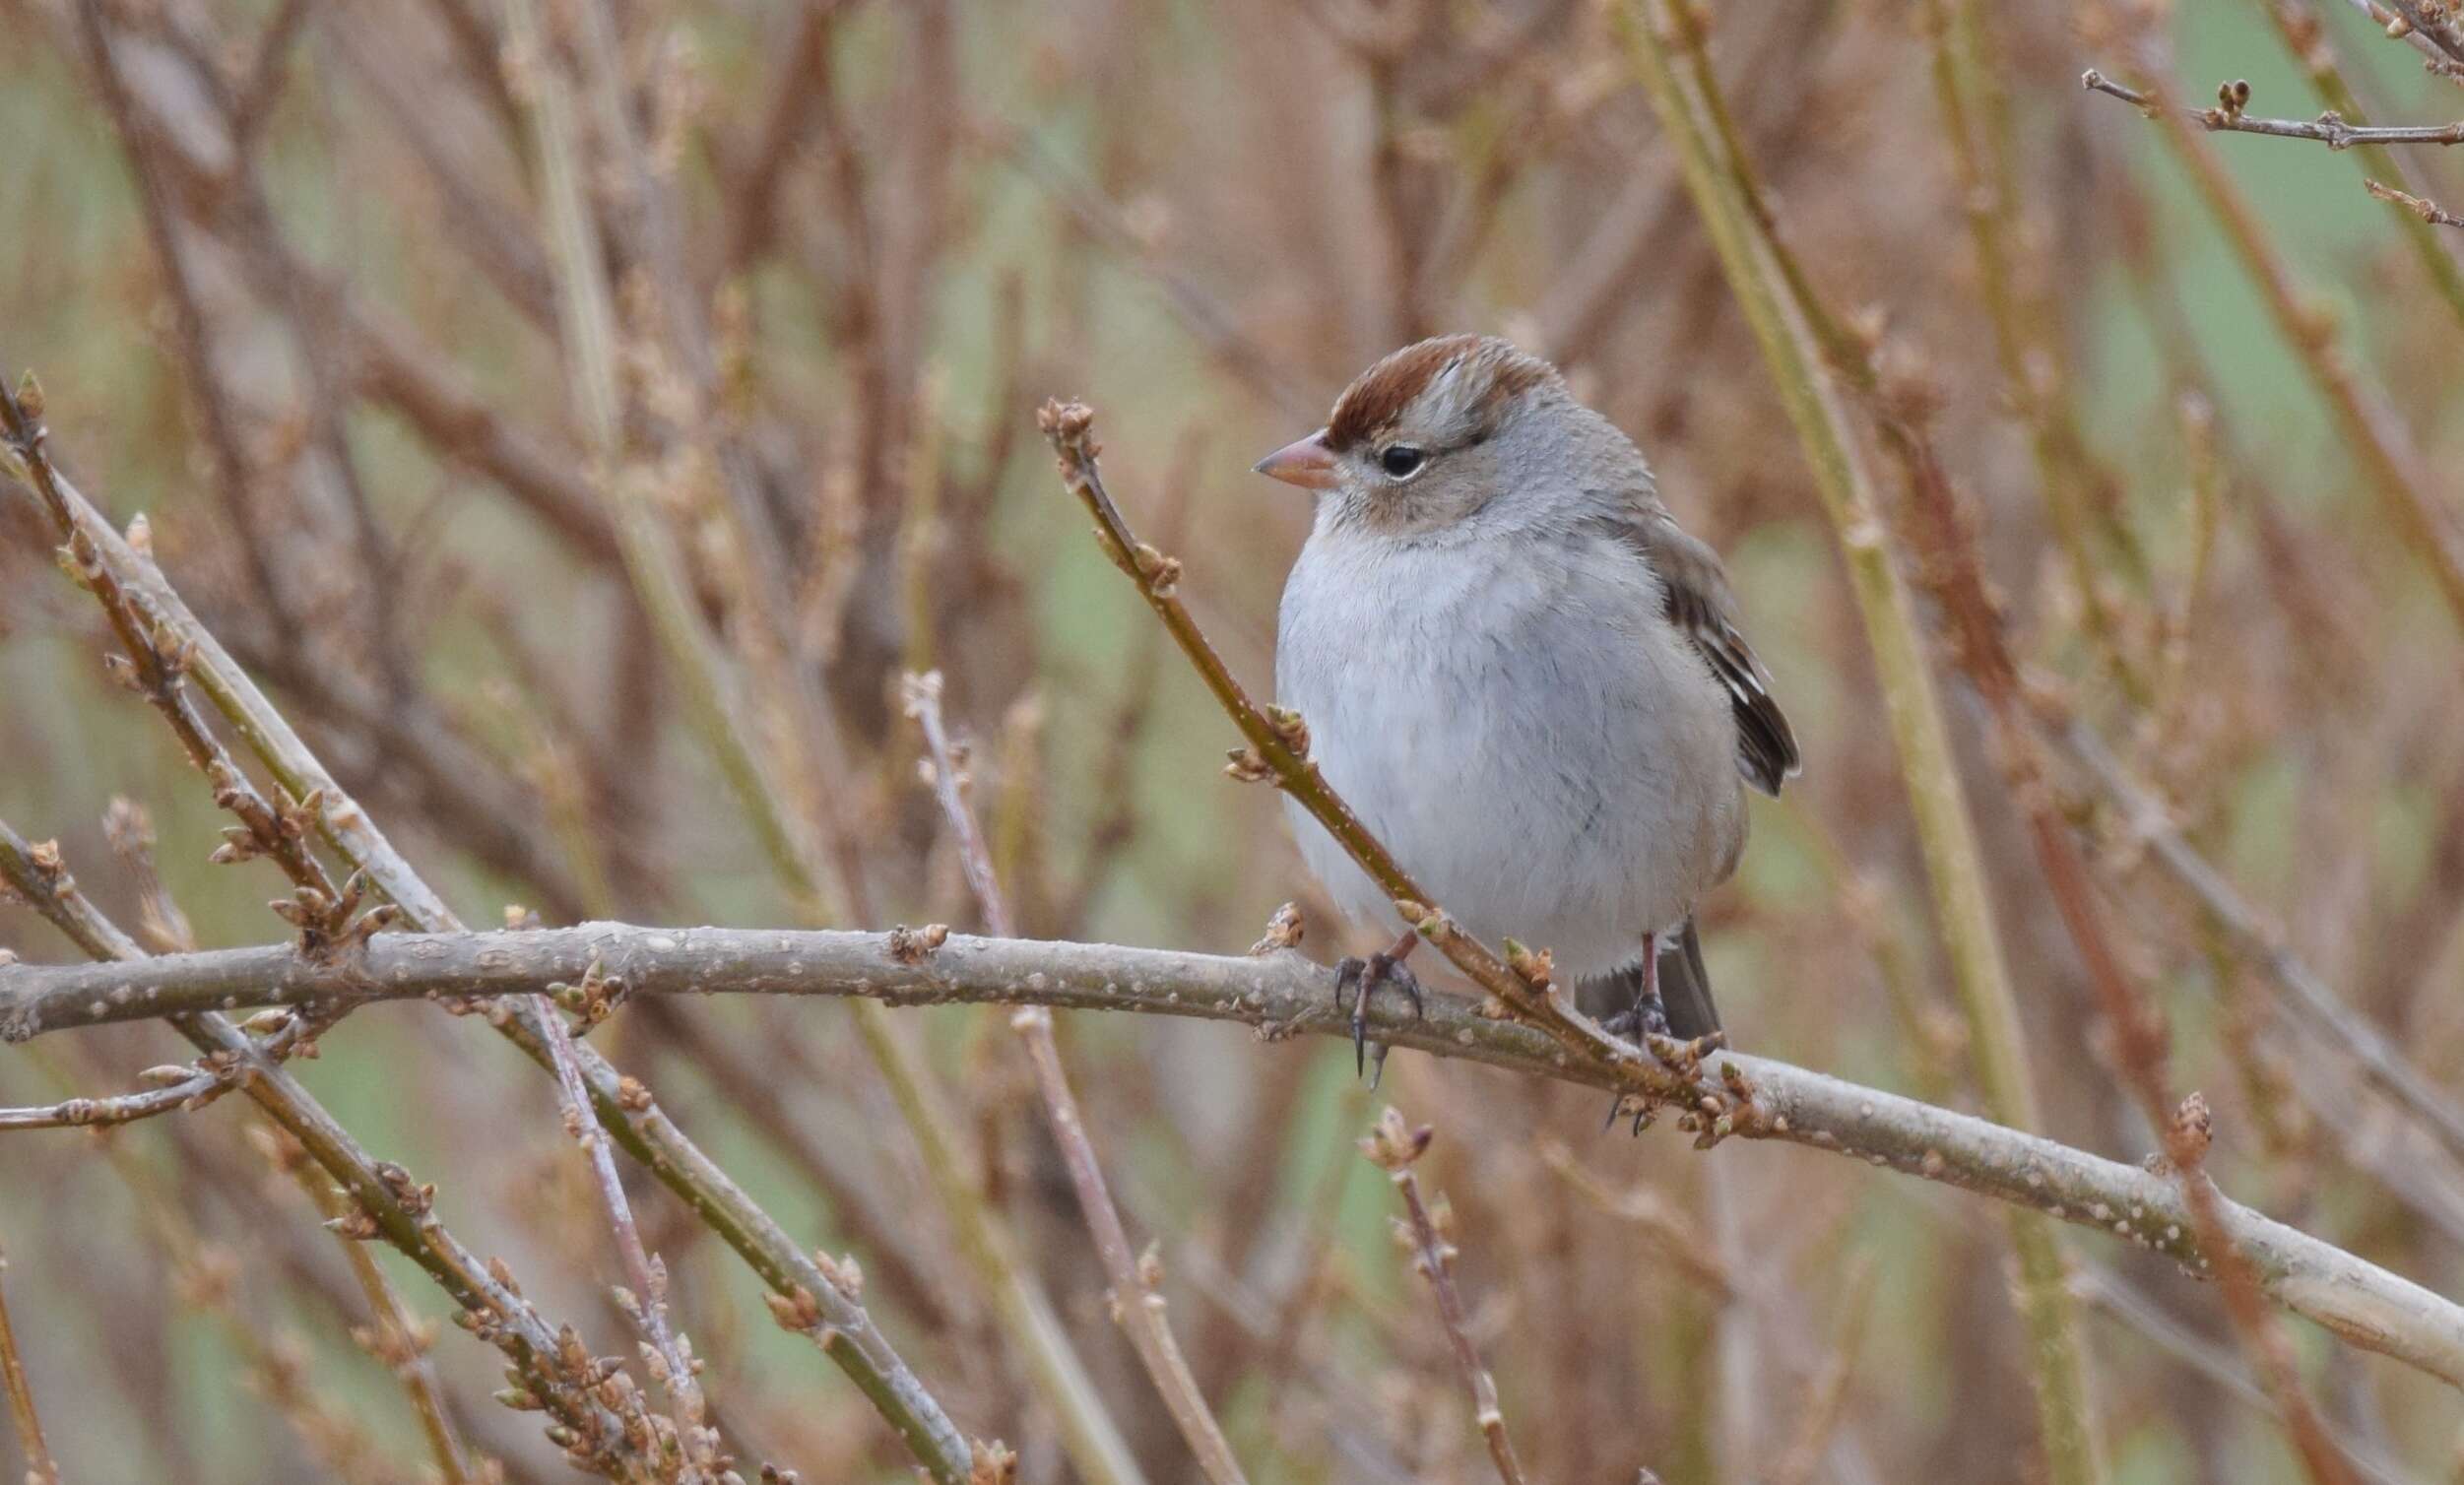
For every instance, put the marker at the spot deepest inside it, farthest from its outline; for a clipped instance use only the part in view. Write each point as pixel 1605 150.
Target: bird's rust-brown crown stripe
pixel 1384 390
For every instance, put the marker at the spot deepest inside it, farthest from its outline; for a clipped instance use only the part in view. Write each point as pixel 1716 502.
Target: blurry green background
pixel 911 221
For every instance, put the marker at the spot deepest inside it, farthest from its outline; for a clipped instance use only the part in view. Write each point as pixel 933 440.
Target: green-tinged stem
pixel 587 320
pixel 40 1468
pixel 844 1329
pixel 2032 367
pixel 821 891
pixel 1953 861
pixel 2365 420
pixel 2306 38
pixel 395 1339
pixel 1138 1302
pixel 396 1209
pixel 1094 1442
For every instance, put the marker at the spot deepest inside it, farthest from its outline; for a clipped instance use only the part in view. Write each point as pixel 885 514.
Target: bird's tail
pixel 1685 996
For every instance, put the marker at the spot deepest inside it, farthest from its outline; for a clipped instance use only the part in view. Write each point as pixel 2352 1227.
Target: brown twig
pixel 1826 1394
pixel 1278 749
pixel 2328 129
pixel 2311 1005
pixel 2304 36
pixel 254 525
pixel 1665 45
pixel 1215 329
pixel 192 1090
pixel 40 1467
pixel 1943 539
pixel 2427 211
pixel 2368 425
pixel 1393 1145
pixel 256 94
pixel 1945 544
pixel 398 1341
pixel 2031 354
pixel 557 1373
pixel 145 603
pixel 672 1362
pixel 327 915
pixel 1136 1298
pixel 754 197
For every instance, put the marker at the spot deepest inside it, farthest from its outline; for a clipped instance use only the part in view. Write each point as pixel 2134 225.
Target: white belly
pixel 1542 759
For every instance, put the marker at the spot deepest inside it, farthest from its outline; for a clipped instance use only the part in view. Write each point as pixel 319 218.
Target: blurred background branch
pixel 300 281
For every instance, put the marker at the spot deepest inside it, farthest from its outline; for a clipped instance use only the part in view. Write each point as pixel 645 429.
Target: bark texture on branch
pixel 1280 994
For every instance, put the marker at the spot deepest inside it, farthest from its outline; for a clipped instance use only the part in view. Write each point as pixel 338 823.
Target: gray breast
pixel 1545 758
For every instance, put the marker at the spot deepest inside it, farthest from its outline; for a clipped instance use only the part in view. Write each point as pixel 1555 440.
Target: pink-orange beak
pixel 1307 462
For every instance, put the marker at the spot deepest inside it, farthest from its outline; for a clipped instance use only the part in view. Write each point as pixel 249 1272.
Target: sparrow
pixel 1525 677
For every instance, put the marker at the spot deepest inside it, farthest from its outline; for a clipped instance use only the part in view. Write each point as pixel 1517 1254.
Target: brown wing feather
pixel 1701 605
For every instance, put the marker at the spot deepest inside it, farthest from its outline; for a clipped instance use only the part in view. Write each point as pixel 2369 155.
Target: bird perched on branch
pixel 1527 679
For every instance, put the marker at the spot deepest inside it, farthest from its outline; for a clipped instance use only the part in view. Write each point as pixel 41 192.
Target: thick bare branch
pixel 1281 993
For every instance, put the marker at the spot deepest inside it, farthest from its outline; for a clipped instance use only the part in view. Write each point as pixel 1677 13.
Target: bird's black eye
pixel 1401 460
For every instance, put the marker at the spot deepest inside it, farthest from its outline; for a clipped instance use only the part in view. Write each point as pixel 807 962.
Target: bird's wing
pixel 1700 605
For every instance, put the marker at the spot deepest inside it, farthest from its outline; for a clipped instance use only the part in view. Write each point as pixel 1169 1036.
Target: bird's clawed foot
pixel 1360 977
pixel 1642 1019
pixel 1635 1104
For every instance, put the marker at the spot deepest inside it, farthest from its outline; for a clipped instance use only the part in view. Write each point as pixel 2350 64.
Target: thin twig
pixel 1137 1302
pixel 587 317
pixel 1278 749
pixel 325 914
pixel 1215 329
pixel 2435 58
pixel 1941 536
pixel 2368 422
pixel 256 93
pixel 1393 1147
pixel 2106 1291
pixel 2427 211
pixel 555 1372
pixel 1953 864
pixel 2304 36
pixel 1946 547
pixel 2328 129
pixel 193 1090
pixel 2032 354
pixel 673 1364
pixel 1091 1439
pixel 1286 994
pixel 395 1339
pixel 625 1107
pixel 218 413
pixel 2311 1005
pixel 1827 1391
pixel 40 1467
pixel 821 884
pixel 753 198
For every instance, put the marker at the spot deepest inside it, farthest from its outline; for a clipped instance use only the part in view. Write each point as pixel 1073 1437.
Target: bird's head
pixel 1429 435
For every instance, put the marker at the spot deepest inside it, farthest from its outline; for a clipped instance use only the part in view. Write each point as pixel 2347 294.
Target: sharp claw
pixel 1362 977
